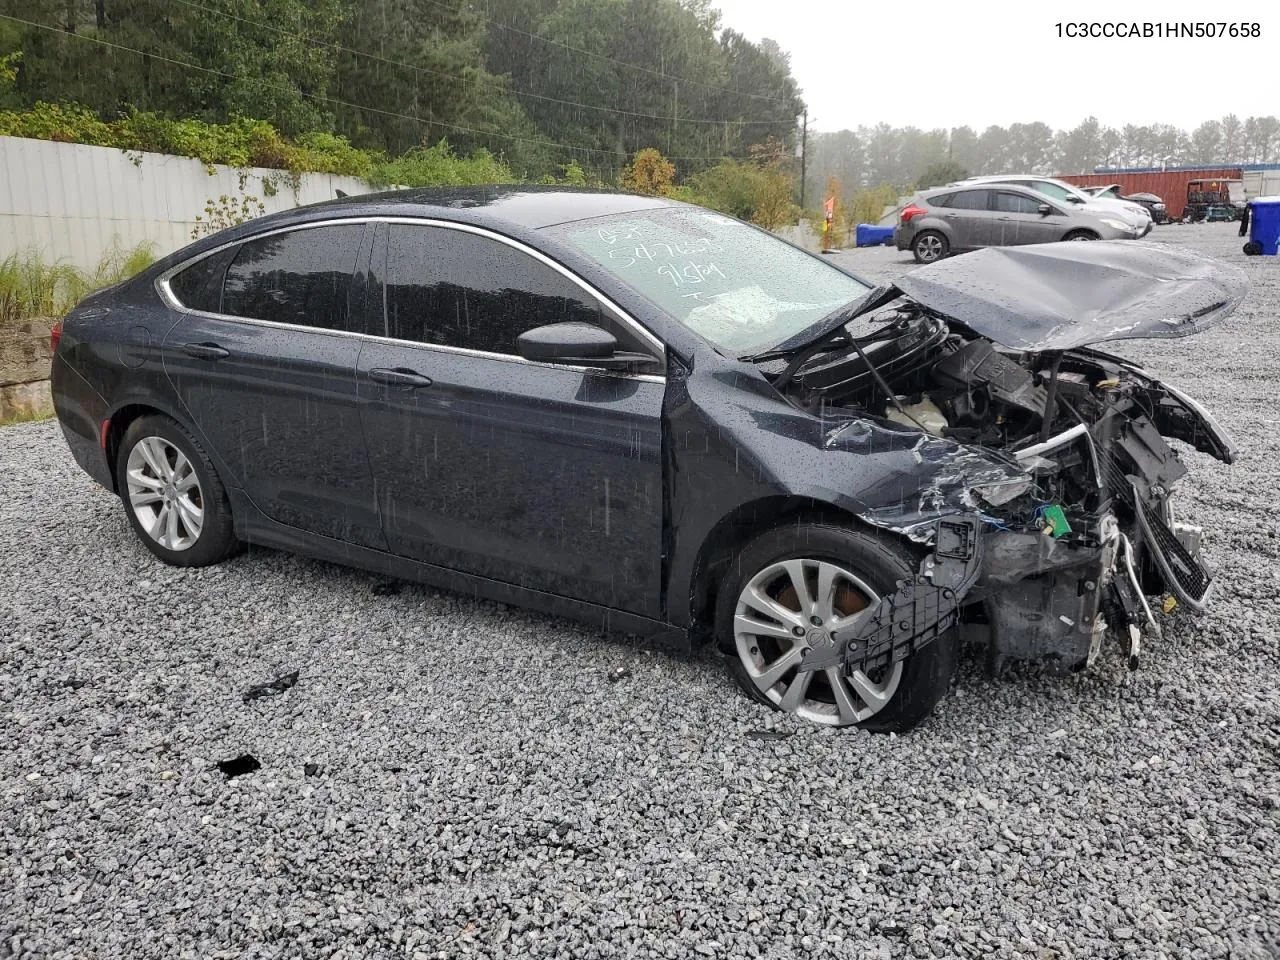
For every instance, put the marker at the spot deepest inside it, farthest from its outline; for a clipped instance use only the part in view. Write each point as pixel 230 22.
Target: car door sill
pixel 252 526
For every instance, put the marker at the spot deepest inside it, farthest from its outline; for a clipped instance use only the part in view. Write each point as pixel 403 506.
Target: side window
pixel 970 200
pixel 942 201
pixel 199 287
pixel 302 277
pixel 457 289
pixel 1015 203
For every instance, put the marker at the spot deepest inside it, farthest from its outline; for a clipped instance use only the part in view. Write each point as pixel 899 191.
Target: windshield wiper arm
pixel 831 324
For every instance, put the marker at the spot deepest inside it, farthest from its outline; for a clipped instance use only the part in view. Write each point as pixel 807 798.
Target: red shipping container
pixel 1169 185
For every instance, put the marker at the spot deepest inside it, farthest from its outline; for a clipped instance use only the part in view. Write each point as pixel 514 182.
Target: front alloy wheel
pixel 165 494
pixel 790 608
pixel 784 595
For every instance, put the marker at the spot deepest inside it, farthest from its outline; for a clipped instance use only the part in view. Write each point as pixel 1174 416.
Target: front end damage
pixel 1055 525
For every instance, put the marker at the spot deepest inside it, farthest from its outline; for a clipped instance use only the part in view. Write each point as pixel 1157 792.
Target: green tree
pixel 207 61
pixel 940 174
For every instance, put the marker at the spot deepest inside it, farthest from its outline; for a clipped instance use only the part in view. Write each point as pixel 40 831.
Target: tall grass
pixel 31 287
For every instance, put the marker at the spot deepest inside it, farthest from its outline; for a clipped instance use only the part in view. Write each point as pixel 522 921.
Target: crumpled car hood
pixel 1058 296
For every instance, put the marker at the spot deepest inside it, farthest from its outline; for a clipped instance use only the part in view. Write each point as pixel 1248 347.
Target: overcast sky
pixel 947 64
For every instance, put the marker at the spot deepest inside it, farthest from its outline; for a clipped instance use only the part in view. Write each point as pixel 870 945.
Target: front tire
pixel 172 495
pixel 784 594
pixel 1081 235
pixel 930 247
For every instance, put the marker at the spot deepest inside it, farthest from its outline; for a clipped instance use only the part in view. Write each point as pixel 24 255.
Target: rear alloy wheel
pixel 930 247
pixel 172 495
pixel 164 493
pixel 785 595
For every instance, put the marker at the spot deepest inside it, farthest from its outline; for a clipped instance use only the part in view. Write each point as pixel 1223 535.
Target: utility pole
pixel 804 151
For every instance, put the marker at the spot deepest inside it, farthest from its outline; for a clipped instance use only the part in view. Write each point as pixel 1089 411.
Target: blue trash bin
pixel 1264 227
pixel 867 235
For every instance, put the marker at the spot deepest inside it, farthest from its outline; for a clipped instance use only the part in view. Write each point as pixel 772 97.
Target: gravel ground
pixel 450 777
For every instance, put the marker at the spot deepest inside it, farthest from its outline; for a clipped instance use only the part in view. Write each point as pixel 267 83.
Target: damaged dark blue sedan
pixel 664 421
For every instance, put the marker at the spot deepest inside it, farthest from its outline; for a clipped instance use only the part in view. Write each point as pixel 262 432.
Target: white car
pixel 1064 192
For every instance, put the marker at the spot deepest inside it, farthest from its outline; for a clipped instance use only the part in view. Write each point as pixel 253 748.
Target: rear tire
pixel 930 246
pixel 172 495
pixel 1081 235
pixel 857 567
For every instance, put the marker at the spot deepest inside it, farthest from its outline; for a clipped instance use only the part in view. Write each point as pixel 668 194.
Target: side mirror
pixel 1045 209
pixel 578 344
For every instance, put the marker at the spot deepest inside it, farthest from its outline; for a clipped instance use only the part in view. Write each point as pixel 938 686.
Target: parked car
pixel 663 421
pixel 954 219
pixel 1154 204
pixel 1062 192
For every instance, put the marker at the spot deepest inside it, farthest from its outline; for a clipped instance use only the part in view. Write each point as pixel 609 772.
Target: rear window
pixel 199 286
pixel 942 201
pixel 301 278
pixel 966 200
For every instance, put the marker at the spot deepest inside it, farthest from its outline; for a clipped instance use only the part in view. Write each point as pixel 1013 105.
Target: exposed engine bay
pixel 1077 547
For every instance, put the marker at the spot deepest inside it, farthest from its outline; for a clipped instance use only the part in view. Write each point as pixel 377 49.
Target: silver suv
pixel 967 216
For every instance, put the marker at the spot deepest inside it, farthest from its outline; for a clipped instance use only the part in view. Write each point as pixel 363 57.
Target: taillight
pixel 909 211
pixel 55 335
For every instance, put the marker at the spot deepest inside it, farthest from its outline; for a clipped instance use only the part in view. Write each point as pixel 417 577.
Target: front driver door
pixel 545 476
pixel 1019 220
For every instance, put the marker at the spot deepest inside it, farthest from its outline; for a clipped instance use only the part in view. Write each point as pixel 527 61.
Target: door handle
pixel 399 377
pixel 205 351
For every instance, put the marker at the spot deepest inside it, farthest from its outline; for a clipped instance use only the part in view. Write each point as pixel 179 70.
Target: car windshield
pixel 1058 191
pixel 736 285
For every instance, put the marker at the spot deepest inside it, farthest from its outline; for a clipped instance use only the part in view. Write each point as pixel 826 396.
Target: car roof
pixel 1002 177
pixel 514 210
pixel 530 207
pixel 981 185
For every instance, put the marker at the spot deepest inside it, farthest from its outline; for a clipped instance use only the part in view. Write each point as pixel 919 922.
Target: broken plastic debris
pixel 619 674
pixel 1170 604
pixel 269 689
pixel 1056 521
pixel 239 766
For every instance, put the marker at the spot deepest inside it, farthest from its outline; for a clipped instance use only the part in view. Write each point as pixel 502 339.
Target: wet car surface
pixel 664 422
pixel 479 782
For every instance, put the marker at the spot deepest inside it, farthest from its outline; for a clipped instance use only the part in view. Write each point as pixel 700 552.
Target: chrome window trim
pixel 166 293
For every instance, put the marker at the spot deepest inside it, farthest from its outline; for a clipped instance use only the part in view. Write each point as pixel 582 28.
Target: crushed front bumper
pixel 1037 597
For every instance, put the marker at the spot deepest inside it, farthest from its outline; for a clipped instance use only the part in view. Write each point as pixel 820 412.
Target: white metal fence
pixel 71 202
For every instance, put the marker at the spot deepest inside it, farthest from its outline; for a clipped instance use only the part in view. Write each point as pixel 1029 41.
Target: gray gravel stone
pixel 479 788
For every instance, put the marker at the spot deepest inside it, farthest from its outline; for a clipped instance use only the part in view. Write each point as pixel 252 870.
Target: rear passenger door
pixel 545 476
pixel 264 361
pixel 971 221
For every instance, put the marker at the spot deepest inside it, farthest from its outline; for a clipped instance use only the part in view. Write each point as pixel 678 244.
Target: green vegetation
pixel 338 84
pixel 940 174
pixel 440 166
pixel 30 287
pixel 416 93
